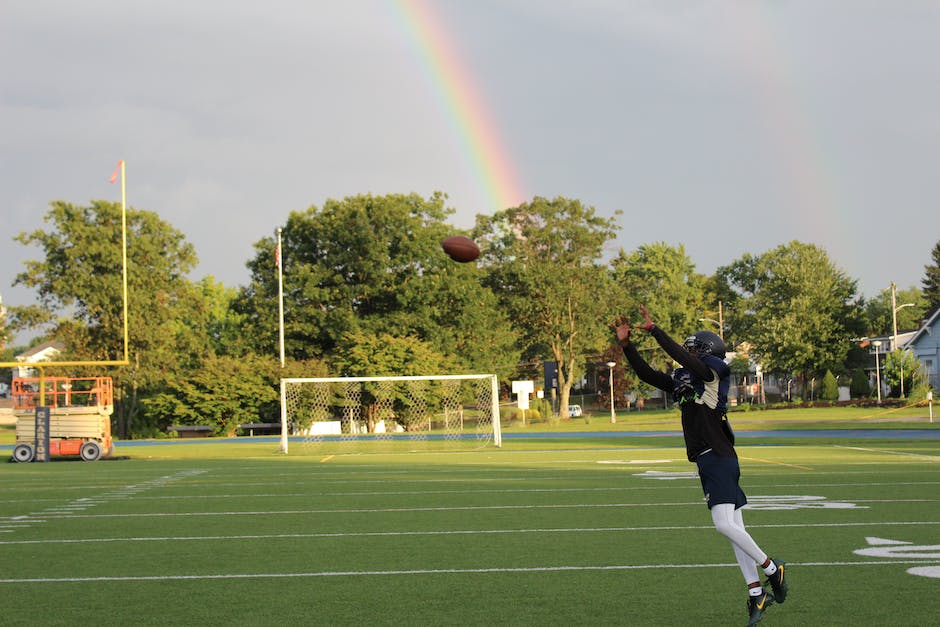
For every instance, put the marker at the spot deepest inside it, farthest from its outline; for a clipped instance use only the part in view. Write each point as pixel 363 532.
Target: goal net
pixel 388 414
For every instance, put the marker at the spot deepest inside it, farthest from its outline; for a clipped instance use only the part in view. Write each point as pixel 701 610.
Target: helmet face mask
pixel 705 343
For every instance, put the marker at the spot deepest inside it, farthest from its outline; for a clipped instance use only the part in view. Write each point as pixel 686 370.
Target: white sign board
pixel 522 390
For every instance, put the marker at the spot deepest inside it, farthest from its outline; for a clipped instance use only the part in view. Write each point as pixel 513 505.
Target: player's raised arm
pixel 675 350
pixel 644 371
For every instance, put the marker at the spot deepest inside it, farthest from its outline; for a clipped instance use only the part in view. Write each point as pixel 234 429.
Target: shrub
pixel 859 386
pixel 830 387
pixel 919 392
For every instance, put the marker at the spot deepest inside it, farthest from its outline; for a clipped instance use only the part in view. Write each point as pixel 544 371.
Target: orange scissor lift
pixel 80 411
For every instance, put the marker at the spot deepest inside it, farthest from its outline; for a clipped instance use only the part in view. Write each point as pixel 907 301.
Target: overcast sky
pixel 725 126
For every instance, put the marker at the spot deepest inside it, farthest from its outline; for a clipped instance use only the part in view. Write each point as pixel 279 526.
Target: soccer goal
pixel 387 414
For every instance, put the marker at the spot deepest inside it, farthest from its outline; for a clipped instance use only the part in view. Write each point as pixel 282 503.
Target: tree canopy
pixel 543 263
pixel 373 265
pixel 800 312
pixel 368 291
pixel 931 280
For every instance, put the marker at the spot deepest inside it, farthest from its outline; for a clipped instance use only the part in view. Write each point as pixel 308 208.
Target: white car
pixel 574 411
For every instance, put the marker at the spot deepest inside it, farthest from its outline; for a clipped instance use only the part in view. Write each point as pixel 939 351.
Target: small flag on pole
pixel 277 256
pixel 117 170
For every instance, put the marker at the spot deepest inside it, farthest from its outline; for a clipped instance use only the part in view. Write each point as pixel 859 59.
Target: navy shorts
pixel 719 476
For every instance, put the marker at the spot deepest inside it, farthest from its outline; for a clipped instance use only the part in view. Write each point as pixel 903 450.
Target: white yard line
pixel 457 532
pixel 932 458
pixel 444 571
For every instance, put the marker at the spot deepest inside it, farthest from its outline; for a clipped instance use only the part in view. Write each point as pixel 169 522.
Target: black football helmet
pixel 705 343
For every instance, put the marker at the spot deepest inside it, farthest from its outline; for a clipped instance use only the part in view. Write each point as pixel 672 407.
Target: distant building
pixel 46 351
pixel 925 344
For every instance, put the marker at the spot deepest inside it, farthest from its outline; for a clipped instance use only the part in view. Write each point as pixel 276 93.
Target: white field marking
pixel 639 462
pixel 338 474
pixel 666 475
pixel 932 458
pixel 925 571
pixel 767 461
pixel 875 541
pixel 399 510
pixel 895 500
pixel 322 481
pixel 789 502
pixel 388 510
pixel 439 571
pixel 926 551
pixel 456 532
pixel 657 488
pixel 70 510
pixel 691 475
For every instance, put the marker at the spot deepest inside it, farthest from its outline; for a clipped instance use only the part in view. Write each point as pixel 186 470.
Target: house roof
pixel 925 328
pixel 39 349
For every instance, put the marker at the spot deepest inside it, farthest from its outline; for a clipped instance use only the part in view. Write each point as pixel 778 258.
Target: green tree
pixel 931 280
pixel 879 316
pixel 366 354
pixel 79 283
pixel 373 265
pixel 901 366
pixel 722 303
pixel 221 322
pixel 663 278
pixel 830 387
pixel 800 312
pixel 542 262
pixel 223 393
pixel 5 334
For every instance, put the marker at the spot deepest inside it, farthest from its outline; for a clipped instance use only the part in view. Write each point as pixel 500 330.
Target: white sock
pixel 755 592
pixel 771 569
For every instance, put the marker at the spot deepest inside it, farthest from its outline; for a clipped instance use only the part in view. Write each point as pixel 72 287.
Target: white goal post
pixel 375 414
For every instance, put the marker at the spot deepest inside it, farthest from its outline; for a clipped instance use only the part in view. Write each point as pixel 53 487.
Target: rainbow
pixel 462 103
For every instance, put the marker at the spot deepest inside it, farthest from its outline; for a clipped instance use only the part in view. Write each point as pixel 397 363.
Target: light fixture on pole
pixel 894 316
pixel 877 345
pixel 610 377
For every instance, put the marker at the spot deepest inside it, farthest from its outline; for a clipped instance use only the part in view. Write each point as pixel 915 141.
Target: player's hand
pixel 622 328
pixel 647 321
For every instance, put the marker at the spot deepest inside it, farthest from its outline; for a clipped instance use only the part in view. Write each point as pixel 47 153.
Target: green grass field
pixel 580 531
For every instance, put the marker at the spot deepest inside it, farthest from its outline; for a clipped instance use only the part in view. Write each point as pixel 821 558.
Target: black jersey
pixel 700 387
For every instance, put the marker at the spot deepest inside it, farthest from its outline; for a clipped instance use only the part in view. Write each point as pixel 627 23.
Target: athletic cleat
pixel 778 582
pixel 756 606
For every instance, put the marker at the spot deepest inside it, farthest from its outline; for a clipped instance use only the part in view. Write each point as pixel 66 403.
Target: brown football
pixel 460 248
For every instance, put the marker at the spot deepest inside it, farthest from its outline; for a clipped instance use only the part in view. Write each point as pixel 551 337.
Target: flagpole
pixel 124 252
pixel 280 294
pixel 280 324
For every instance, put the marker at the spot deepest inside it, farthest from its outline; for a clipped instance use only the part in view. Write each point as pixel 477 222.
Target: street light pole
pixel 894 321
pixel 720 322
pixel 877 345
pixel 610 368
